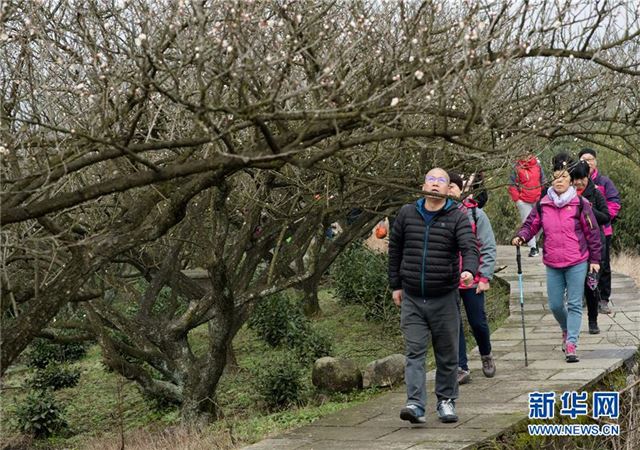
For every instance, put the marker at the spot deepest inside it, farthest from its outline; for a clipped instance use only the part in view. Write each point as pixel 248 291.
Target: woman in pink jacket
pixel 571 247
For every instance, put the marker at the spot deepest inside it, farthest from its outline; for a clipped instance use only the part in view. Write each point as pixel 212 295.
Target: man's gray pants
pixel 440 318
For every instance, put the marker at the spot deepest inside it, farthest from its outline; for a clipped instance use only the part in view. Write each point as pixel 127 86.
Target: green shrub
pixel 313 345
pixel 279 320
pixel 42 352
pixel 279 381
pixel 40 415
pixel 55 376
pixel 359 276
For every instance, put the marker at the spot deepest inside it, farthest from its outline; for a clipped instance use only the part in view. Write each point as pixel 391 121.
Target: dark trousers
pixel 605 271
pixel 592 296
pixel 440 318
pixel 477 317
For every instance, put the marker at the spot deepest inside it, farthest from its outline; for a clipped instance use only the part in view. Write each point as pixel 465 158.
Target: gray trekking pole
pixel 524 335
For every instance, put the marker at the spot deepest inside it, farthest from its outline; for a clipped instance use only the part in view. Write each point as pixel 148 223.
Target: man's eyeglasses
pixel 432 179
pixel 588 159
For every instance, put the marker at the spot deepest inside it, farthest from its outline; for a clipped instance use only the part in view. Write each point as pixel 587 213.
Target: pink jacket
pixel 611 195
pixel 568 239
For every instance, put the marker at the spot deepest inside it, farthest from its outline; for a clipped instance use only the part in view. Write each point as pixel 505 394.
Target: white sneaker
pixel 447 411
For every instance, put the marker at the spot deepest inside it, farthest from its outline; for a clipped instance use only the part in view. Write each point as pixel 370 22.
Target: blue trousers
pixel 477 317
pixel 570 280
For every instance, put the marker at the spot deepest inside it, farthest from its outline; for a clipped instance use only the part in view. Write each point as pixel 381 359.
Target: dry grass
pixel 172 438
pixel 628 264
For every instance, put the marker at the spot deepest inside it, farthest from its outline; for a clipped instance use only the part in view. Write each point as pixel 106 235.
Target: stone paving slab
pixel 342 433
pixel 488 406
pixel 278 443
pixel 357 445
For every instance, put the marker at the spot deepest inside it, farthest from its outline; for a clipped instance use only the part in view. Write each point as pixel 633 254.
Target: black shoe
pixel 534 252
pixel 593 328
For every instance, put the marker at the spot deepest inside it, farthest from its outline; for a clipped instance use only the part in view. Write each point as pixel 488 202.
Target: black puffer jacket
pixel 598 202
pixel 424 259
pixel 600 209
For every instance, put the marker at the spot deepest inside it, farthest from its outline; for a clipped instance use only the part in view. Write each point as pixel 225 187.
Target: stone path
pixel 489 406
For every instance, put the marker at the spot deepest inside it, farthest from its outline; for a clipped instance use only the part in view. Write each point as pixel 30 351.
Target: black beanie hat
pixel 586 150
pixel 456 179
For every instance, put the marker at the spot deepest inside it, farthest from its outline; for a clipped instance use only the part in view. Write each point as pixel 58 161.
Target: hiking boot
pixel 603 307
pixel 593 328
pixel 534 252
pixel 488 366
pixel 564 341
pixel 571 355
pixel 447 411
pixel 413 413
pixel 464 376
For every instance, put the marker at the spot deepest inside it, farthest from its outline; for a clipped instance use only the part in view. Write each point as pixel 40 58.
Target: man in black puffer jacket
pixel 424 275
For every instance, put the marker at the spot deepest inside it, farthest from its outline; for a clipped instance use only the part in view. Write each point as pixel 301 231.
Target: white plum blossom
pixel 419 74
pixel 394 101
pixel 140 39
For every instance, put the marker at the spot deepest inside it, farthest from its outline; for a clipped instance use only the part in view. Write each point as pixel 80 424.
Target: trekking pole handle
pixel 519 259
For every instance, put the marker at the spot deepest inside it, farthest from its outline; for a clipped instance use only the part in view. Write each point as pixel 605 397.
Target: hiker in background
pixel 585 187
pixel 611 195
pixel 474 186
pixel 571 248
pixel 424 247
pixel 473 296
pixel 525 188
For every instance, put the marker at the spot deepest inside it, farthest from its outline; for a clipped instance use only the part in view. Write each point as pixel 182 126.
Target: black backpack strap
pixel 581 212
pixel 474 214
pixel 581 206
